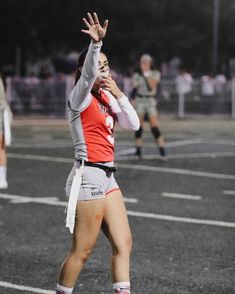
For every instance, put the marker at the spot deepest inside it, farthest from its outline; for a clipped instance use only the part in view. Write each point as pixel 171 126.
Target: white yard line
pixel 130 166
pixel 182 219
pixel 126 151
pixel 168 144
pixel 34 145
pixel 54 201
pixel 39 157
pixel 198 155
pixel 25 288
pixel 181 196
pixel 221 142
pixel 174 156
pixel 67 143
pixel 16 199
pixel 176 171
pixel 229 192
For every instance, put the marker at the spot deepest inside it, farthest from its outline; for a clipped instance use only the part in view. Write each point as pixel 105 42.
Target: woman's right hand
pixel 94 29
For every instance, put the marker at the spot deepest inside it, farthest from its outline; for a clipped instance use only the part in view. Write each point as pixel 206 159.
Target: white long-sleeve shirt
pixel 92 117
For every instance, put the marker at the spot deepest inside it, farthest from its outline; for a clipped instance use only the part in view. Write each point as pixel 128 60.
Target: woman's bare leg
pixel 3 163
pixel 86 231
pixel 116 228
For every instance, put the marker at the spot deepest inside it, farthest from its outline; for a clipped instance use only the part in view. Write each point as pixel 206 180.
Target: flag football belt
pixel 107 169
pixel 147 96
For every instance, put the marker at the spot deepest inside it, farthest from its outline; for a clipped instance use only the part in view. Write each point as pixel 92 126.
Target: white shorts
pixel 146 106
pixel 95 183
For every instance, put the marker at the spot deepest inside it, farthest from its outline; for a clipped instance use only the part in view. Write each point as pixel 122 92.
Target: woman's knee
pixel 123 247
pixel 81 255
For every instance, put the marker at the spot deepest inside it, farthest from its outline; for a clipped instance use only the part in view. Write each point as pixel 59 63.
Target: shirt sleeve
pixel 80 96
pixel 126 114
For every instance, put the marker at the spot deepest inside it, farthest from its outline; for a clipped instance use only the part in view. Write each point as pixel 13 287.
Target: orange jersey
pixel 97 123
pixel 92 130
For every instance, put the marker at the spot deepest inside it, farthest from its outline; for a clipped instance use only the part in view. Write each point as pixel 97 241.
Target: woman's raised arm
pixel 80 97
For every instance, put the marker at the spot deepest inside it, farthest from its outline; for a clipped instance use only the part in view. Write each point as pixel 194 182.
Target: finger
pixel 86 23
pixel 96 19
pixel 90 19
pixel 106 80
pixel 86 32
pixel 105 25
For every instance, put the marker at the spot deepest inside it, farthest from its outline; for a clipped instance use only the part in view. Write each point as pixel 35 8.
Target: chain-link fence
pixel 29 96
pixel 195 101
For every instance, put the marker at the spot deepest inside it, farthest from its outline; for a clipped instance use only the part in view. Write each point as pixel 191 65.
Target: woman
pixel 5 135
pixel 91 186
pixel 145 83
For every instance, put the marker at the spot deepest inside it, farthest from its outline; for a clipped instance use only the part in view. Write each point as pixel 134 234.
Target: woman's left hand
pixel 107 83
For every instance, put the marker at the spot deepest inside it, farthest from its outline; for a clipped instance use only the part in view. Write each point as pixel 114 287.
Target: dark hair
pixel 80 62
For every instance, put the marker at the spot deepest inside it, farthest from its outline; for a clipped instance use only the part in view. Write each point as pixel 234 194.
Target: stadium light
pixel 215 44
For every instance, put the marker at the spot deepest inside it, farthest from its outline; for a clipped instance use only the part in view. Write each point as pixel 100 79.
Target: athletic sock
pixel 162 151
pixel 122 288
pixel 63 290
pixel 3 171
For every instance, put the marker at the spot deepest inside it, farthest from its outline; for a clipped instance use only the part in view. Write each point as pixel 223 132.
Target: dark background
pixel 164 28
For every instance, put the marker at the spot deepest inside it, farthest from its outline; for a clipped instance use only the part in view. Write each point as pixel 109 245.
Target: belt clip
pixel 82 164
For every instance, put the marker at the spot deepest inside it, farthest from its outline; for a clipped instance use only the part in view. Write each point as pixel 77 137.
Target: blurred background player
pixel 145 82
pixel 5 135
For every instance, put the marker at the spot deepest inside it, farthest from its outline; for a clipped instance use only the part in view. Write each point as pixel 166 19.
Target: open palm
pixel 94 29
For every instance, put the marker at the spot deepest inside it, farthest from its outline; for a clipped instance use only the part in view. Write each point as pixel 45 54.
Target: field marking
pixel 54 201
pixel 67 143
pixel 130 166
pixel 181 196
pixel 25 288
pixel 229 192
pixel 168 144
pixel 173 156
pixel 47 145
pixel 222 142
pixel 18 199
pixel 126 151
pixel 40 157
pixel 182 219
pixel 176 171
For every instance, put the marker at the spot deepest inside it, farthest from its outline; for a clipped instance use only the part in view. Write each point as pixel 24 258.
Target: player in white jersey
pixel 94 195
pixel 145 83
pixel 5 134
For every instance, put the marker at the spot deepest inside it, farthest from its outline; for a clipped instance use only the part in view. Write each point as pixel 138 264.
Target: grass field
pixel 181 211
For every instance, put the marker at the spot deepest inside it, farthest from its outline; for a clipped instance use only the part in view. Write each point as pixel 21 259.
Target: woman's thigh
pixel 153 120
pixel 89 215
pixel 115 222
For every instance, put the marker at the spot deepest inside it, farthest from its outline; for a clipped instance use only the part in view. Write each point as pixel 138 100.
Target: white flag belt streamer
pixel 73 198
pixel 7 127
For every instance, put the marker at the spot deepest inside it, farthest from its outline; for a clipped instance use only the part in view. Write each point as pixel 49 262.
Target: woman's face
pixel 103 70
pixel 103 65
pixel 145 64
